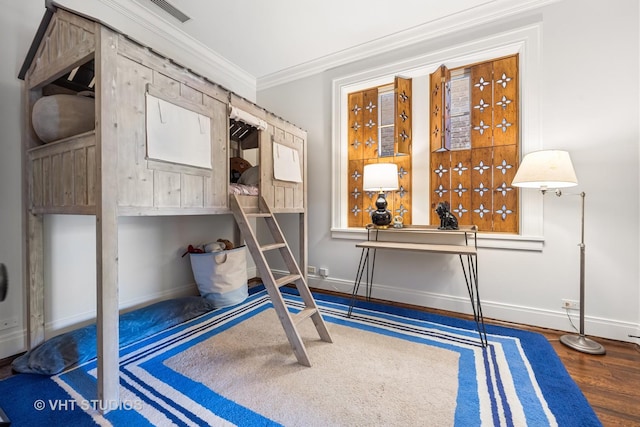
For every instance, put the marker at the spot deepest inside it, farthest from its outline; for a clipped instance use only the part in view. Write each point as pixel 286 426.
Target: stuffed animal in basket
pixel 227 244
pixel 448 221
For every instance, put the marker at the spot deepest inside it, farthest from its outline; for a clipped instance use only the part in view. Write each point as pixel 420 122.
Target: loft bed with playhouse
pixel 115 129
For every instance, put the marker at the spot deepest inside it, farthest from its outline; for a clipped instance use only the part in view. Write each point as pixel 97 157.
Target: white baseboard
pixel 12 343
pixel 553 319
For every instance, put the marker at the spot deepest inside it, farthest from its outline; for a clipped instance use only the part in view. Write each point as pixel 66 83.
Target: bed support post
pixel 107 219
pixel 35 280
pixel 33 241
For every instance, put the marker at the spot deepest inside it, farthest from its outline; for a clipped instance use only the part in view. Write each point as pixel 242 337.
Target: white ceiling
pixel 264 37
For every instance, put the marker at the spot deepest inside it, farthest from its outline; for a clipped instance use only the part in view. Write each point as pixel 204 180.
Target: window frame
pixel 526 42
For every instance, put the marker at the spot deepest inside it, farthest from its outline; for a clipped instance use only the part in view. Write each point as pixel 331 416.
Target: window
pixel 524 42
pixel 474 143
pixel 379 132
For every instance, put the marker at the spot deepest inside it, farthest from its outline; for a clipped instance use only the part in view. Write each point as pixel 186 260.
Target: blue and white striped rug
pixel 222 369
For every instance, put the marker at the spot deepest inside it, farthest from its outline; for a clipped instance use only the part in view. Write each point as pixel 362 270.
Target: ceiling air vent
pixel 171 10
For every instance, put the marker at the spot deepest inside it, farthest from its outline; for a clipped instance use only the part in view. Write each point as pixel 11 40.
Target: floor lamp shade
pixel 553 169
pixel 546 169
pixel 380 177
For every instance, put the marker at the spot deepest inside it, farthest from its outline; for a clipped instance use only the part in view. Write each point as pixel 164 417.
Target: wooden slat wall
pixel 63 176
pixel 69 41
pixel 148 185
pixel 135 180
pixel 282 196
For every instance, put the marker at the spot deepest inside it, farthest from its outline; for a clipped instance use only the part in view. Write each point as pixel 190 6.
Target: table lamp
pixel 553 169
pixel 380 177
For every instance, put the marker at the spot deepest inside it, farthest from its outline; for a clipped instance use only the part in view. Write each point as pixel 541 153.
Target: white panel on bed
pixel 177 135
pixel 286 163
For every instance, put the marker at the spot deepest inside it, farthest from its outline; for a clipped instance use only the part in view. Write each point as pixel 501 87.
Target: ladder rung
pixel 304 314
pixel 287 279
pixel 259 215
pixel 272 246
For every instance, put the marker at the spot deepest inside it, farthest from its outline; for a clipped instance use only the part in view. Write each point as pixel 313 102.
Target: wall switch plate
pixel 312 269
pixel 8 323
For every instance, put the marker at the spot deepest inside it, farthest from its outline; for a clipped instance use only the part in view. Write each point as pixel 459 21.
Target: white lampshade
pixel 380 177
pixel 546 169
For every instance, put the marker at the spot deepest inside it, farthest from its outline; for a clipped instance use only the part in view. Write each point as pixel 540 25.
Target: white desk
pixel 460 242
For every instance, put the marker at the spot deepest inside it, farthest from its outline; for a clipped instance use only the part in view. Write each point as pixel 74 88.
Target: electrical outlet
pixel 570 304
pixel 324 272
pixel 311 269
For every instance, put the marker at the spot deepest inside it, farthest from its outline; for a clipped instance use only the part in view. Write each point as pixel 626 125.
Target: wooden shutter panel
pixel 370 123
pixel 505 101
pixel 400 200
pixel 440 182
pixel 481 183
pixel 506 135
pixel 355 196
pixel 461 189
pixel 438 109
pixel 505 197
pixel 440 162
pixel 403 118
pixel 477 181
pixel 364 148
pixel 481 105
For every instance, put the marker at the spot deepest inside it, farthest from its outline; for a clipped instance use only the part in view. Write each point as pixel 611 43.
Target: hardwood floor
pixel 611 383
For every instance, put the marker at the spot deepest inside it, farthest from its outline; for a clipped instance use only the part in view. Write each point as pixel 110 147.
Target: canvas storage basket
pixel 221 276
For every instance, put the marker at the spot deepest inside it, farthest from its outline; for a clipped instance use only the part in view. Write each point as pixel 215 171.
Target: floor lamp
pixel 553 169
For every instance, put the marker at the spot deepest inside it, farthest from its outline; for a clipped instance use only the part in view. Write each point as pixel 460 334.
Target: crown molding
pixel 142 25
pixel 150 29
pixel 496 9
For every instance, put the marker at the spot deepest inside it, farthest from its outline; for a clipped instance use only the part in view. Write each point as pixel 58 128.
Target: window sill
pixel 485 240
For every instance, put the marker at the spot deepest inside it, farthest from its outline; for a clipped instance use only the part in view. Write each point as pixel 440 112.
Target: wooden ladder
pixel 243 209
